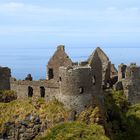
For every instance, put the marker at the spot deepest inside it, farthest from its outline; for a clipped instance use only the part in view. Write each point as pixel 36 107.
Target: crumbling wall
pixel 22 88
pixel 96 67
pixel 121 71
pixel 5 74
pixel 113 71
pixel 131 83
pixel 105 63
pixel 60 58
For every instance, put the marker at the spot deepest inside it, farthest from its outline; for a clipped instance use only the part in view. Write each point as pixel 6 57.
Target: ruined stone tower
pixel 5 74
pixel 77 87
pixel 60 58
pixel 131 83
pixel 80 85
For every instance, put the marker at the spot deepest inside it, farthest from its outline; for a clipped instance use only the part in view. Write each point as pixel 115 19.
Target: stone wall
pixel 96 67
pixel 113 71
pixel 131 83
pixel 5 74
pixel 121 71
pixel 105 65
pixel 22 88
pixel 60 58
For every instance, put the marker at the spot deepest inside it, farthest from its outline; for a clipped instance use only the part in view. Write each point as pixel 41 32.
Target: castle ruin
pixel 77 84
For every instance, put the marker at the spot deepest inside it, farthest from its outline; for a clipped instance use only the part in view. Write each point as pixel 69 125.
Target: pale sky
pixel 29 25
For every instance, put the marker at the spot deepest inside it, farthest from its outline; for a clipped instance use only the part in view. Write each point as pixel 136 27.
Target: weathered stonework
pixel 60 58
pixel 132 84
pixel 121 71
pixel 77 87
pixel 106 65
pixel 130 78
pixel 113 71
pixel 51 88
pixel 5 74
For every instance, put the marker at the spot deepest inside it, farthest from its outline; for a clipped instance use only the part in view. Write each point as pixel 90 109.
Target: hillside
pixel 33 118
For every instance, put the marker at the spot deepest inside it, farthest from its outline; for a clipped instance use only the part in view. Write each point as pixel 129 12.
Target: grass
pixel 7 95
pixel 92 115
pixel 75 131
pixel 17 110
pixel 120 120
pixel 123 120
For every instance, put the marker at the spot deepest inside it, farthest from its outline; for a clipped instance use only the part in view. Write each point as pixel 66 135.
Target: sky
pixel 30 30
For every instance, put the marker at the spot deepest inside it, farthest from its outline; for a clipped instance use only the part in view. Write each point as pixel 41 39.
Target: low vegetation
pixel 75 131
pixel 18 110
pixel 7 96
pixel 123 120
pixel 92 115
pixel 116 121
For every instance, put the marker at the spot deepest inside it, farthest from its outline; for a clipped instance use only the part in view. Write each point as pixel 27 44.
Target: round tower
pixel 77 87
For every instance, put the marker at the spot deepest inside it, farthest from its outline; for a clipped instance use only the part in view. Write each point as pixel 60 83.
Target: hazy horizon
pixel 31 30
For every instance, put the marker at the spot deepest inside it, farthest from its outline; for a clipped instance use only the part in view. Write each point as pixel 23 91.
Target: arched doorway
pixel 42 92
pixel 30 91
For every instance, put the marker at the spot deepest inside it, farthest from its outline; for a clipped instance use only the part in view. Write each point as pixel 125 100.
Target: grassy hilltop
pixel 33 118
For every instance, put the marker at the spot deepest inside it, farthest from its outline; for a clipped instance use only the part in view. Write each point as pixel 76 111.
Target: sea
pixel 33 60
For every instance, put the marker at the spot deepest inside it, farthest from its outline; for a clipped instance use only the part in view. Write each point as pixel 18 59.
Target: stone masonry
pixel 106 65
pixel 60 58
pixel 5 74
pixel 129 81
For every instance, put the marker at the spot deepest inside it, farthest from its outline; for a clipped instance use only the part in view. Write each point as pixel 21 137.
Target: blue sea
pixel 25 60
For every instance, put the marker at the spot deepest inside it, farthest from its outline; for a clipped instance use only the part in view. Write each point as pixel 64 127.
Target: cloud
pixel 40 18
pixel 11 7
pixel 16 7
